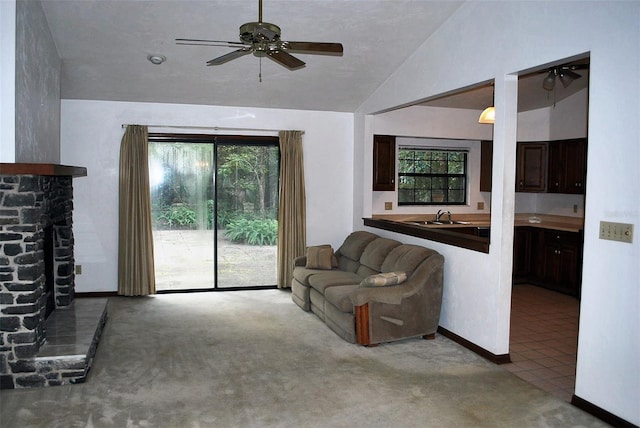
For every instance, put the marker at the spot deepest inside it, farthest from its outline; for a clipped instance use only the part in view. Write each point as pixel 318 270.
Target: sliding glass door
pixel 247 204
pixel 214 208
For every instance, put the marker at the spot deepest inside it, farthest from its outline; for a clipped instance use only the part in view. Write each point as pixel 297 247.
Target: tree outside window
pixel 432 176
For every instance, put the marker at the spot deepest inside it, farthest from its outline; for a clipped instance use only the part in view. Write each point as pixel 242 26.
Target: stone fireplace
pixel 36 271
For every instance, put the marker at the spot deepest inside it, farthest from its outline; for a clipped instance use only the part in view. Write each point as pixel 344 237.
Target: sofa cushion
pixel 384 279
pixel 405 258
pixel 319 257
pixel 352 249
pixel 375 253
pixel 324 279
pixel 339 297
pixel 364 271
pixel 348 265
pixel 302 274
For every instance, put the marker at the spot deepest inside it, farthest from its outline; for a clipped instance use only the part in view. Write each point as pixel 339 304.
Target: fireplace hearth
pixel 36 272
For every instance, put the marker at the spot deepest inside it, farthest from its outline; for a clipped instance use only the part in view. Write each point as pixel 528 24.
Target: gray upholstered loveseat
pixel 345 296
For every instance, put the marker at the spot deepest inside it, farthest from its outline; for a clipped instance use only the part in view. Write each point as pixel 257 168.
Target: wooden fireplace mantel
pixel 42 169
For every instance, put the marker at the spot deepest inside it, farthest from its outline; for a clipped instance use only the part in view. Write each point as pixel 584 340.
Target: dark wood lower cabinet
pixel 548 258
pixel 521 254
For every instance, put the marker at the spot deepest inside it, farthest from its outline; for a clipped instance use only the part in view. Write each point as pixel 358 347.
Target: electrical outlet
pixel 622 232
pixel 575 208
pixel 480 205
pixel 388 206
pixel 78 269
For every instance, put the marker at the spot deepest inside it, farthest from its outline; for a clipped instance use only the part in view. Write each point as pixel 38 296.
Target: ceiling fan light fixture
pixel 488 115
pixel 567 76
pixel 549 82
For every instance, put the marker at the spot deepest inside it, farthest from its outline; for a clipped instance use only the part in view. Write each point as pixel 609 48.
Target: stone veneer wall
pixel 29 204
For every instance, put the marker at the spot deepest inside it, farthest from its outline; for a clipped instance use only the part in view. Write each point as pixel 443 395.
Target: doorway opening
pixel 547 263
pixel 214 208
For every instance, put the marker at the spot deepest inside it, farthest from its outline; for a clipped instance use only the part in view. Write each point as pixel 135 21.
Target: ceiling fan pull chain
pixel 260 72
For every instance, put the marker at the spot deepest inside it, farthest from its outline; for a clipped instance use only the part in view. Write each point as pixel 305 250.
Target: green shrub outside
pixel 253 231
pixel 239 227
pixel 177 216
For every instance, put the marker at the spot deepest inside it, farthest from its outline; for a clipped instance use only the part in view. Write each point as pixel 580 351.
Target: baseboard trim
pixel 96 294
pixel 601 413
pixel 494 358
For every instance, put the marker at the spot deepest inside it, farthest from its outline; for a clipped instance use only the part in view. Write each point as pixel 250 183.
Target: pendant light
pixel 488 115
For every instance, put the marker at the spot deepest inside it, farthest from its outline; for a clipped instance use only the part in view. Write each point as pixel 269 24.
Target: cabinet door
pixel 561 262
pixel 522 250
pixel 575 154
pixel 531 173
pixel 567 166
pixel 556 170
pixel 486 165
pixel 384 163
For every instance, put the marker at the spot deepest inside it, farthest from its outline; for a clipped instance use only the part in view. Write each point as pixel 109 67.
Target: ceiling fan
pixel 564 73
pixel 263 39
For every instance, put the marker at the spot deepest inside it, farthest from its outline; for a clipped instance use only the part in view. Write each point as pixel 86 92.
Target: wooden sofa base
pixel 362 327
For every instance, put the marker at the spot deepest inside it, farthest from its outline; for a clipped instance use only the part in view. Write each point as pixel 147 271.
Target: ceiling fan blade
pixel 228 57
pixel 200 42
pixel 314 47
pixel 283 58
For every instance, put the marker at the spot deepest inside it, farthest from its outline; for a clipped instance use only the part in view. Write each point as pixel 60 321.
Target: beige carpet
pixel 254 359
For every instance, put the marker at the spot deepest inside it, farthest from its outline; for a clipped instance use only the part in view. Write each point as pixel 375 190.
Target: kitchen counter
pixel 468 231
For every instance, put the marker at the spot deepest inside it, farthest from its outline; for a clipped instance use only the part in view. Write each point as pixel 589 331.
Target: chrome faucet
pixel 441 213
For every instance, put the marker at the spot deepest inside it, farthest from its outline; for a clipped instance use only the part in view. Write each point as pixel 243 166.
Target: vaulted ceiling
pixel 104 45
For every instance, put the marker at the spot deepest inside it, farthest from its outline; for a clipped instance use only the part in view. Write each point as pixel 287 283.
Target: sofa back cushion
pixel 374 255
pixel 406 258
pixel 351 250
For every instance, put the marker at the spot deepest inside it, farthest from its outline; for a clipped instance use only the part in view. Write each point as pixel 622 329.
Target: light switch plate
pixel 622 232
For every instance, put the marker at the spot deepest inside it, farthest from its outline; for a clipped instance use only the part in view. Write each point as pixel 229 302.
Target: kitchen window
pixel 428 176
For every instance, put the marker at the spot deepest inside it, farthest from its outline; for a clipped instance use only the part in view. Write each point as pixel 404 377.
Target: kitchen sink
pixel 442 222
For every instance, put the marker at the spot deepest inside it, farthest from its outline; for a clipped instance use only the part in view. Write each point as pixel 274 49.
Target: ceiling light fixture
pixel 549 82
pixel 488 115
pixel 563 73
pixel 156 59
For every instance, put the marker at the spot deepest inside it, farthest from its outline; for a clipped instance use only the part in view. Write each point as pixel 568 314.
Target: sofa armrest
pixel 300 261
pixel 394 312
pixel 428 274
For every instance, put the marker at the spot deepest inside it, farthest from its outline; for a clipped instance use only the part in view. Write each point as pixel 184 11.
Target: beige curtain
pixel 292 217
pixel 135 241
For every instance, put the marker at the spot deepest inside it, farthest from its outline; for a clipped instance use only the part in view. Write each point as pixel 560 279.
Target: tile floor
pixel 544 339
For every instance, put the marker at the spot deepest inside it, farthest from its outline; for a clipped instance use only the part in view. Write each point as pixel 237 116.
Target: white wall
pixel 91 135
pixel 7 81
pixel 492 41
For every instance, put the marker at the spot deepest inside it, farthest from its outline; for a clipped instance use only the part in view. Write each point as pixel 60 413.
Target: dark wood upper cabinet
pixel 384 163
pixel 567 166
pixel 486 165
pixel 531 171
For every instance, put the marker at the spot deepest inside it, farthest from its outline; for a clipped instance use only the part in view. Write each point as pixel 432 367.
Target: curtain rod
pixel 215 128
